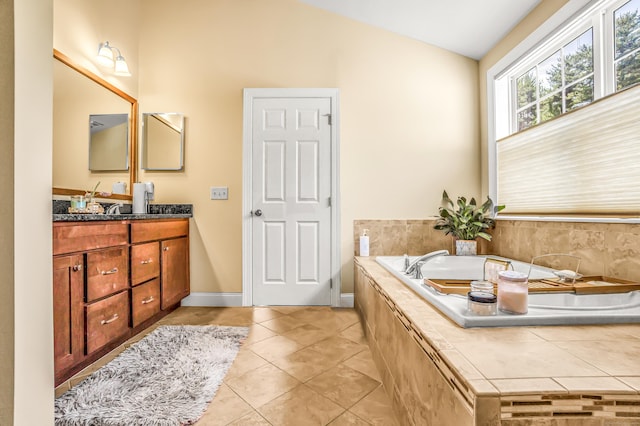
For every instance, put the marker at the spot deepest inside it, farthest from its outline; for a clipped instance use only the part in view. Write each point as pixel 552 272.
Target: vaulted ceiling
pixel 468 27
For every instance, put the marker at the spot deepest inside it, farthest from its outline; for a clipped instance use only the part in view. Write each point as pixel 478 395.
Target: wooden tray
pixel 586 285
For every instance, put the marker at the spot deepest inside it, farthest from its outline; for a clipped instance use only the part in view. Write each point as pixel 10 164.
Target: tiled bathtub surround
pixel 439 373
pixel 609 249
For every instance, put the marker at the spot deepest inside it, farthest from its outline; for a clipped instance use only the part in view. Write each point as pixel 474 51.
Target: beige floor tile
pixel 375 408
pixel 619 358
pixel 62 388
pixel 263 384
pixel 307 334
pixel 245 361
pixel 252 419
pixel 225 408
pixel 535 359
pixel 306 363
pixel 264 314
pixel 258 333
pixel 338 348
pixel 363 362
pixel 282 324
pixel 354 333
pixel 286 310
pixel 343 385
pixel 311 315
pixel 299 407
pixel 348 419
pixel 274 347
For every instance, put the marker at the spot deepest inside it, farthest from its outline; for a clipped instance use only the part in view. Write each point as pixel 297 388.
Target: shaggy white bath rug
pixel 167 378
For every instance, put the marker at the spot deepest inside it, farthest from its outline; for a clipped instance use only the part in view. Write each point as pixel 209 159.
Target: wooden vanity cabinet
pixel 68 315
pixel 110 280
pixel 172 239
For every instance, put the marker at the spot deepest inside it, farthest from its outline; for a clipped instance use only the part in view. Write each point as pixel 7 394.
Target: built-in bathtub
pixel 544 308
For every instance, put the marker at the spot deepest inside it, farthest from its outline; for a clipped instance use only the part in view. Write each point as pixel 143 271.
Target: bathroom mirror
pixel 162 141
pixel 79 96
pixel 108 142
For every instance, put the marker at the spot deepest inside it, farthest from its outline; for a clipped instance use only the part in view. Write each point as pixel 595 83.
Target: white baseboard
pixel 235 299
pixel 346 300
pixel 212 299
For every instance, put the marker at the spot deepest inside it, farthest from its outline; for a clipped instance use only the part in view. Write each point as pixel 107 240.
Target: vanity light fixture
pixel 106 57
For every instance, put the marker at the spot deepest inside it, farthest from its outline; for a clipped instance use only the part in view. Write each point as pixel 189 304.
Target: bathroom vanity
pixel 112 277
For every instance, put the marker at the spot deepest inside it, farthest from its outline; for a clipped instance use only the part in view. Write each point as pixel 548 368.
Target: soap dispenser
pixel 364 243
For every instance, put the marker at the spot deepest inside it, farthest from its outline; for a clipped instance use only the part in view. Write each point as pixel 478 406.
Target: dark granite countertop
pixel 156 211
pixel 68 217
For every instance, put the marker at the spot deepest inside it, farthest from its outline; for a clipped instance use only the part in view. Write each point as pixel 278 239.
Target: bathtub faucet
pixel 422 259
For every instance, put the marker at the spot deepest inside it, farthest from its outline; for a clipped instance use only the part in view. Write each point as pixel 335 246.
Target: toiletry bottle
pixel 364 243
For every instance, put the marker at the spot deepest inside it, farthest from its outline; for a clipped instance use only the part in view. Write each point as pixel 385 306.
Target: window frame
pixel 567 23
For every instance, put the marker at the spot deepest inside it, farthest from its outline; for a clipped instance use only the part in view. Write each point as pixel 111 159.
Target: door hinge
pixel 329 201
pixel 329 118
pixel 331 283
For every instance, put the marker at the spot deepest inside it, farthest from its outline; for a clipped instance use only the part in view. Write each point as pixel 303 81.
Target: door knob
pixel 258 212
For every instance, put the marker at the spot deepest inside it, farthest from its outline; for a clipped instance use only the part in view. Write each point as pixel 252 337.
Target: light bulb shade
pixel 121 67
pixel 105 54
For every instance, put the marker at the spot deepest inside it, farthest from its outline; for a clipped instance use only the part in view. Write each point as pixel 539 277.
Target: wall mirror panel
pixel 162 141
pixel 108 142
pixel 82 101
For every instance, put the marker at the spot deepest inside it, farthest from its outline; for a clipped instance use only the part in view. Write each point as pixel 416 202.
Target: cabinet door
pixel 175 271
pixel 68 318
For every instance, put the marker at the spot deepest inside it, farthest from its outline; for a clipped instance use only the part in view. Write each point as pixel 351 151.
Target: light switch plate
pixel 219 193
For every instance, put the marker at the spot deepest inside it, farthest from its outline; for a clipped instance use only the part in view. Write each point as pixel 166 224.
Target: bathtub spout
pixel 412 267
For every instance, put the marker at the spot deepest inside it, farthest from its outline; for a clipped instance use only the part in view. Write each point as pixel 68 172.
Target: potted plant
pixel 466 221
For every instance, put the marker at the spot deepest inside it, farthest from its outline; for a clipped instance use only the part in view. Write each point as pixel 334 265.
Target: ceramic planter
pixel 466 247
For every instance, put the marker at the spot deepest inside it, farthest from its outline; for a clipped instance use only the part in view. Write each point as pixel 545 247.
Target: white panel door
pixel 291 220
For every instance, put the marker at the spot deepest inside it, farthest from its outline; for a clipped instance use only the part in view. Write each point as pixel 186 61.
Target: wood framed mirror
pixel 79 95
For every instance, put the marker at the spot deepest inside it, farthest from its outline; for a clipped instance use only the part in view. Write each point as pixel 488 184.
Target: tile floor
pixel 299 366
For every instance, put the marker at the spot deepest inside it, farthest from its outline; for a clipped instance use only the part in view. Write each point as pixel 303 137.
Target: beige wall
pixel 33 303
pixel 530 23
pixel 408 114
pixel 80 25
pixel 6 213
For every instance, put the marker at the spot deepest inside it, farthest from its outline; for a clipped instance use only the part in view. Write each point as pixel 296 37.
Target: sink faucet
pixel 114 209
pixel 422 259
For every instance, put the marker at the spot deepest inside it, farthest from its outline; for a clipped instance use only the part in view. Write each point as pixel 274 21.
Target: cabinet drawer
pixel 145 262
pixel 158 230
pixel 107 320
pixel 76 237
pixel 107 272
pixel 145 301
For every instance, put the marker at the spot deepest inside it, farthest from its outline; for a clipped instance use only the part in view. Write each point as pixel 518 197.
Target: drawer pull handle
pixel 166 249
pixel 77 267
pixel 111 272
pixel 110 320
pixel 146 262
pixel 148 300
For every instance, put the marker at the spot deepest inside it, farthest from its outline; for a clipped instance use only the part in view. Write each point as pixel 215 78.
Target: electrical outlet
pixel 219 193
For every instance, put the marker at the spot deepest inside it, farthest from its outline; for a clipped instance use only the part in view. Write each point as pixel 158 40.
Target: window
pixel 588 161
pixel 627 44
pixel 562 75
pixel 559 83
